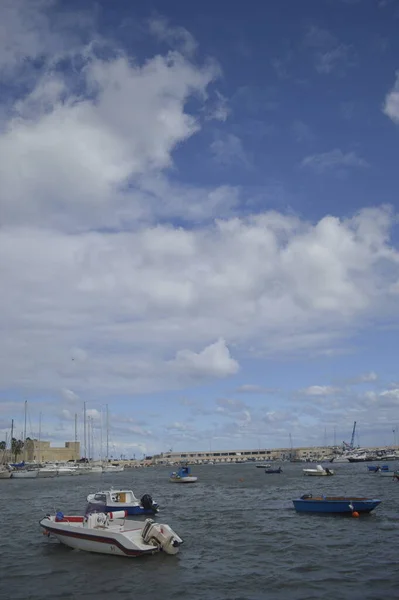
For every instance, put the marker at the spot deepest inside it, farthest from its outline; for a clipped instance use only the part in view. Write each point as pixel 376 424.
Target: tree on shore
pixel 16 448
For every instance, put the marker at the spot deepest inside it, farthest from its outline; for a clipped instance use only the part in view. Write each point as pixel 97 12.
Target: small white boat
pixel 47 471
pixel 24 474
pixel 113 468
pixel 388 473
pixel 64 471
pixel 183 475
pixel 111 500
pixel 5 473
pixel 319 471
pixel 111 534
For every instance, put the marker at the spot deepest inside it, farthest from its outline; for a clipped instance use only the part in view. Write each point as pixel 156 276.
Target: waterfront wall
pixel 43 452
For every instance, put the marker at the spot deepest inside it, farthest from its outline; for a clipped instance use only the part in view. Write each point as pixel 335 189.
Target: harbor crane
pixel 352 443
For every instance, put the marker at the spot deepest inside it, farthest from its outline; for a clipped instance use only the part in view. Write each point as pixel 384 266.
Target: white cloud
pixel 69 396
pixel 103 282
pixel 330 54
pixel 320 390
pixel 335 159
pixel 214 361
pixel 228 150
pixel 391 104
pixel 161 28
pixel 392 394
pixel 250 388
pixel 230 405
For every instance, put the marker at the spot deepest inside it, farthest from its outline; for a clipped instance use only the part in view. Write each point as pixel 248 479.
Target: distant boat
pixel 377 468
pixel 273 471
pixel 388 473
pixel 25 474
pixel 183 475
pixel 263 466
pixel 323 504
pixel 319 471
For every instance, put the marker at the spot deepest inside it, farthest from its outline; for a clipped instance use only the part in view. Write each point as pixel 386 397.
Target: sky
pixel 198 222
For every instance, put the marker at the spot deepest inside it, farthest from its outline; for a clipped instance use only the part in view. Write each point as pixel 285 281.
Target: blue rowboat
pixel 331 504
pixel 377 468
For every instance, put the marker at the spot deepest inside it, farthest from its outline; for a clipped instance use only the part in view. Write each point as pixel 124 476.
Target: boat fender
pixel 117 514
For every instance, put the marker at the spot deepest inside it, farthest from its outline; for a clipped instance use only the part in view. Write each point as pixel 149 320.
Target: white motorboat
pixel 113 468
pixel 47 471
pixel 64 471
pixel 111 500
pixel 5 473
pixel 319 471
pixel 25 474
pixel 388 473
pixel 111 534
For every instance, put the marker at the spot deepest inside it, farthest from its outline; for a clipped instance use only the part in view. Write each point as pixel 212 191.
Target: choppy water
pixel 243 540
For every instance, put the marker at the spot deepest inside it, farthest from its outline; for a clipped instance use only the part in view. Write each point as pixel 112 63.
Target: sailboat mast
pixel 76 428
pixel 88 438
pixel 26 406
pixel 40 436
pixel 107 433
pixel 84 431
pixel 101 435
pixel 12 436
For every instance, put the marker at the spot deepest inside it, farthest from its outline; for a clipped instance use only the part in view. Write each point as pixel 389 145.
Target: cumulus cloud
pixel 116 279
pixel 173 35
pixel 333 160
pixel 330 54
pixel 214 360
pixel 320 390
pixel 391 104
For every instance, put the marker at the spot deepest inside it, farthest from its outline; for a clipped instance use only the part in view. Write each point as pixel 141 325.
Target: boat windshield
pixel 95 508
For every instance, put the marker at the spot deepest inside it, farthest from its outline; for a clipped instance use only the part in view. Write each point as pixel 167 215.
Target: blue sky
pixel 199 221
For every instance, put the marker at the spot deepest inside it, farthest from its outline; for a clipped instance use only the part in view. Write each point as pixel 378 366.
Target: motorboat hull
pixel 335 505
pixel 44 473
pixel 273 471
pixel 388 473
pixel 315 473
pixel 116 538
pixel 183 479
pixel 5 474
pixel 24 474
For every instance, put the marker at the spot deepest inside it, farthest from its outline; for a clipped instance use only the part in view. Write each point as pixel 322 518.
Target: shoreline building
pixel 43 452
pixel 302 454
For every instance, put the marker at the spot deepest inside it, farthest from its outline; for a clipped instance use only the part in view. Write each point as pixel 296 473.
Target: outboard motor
pixel 162 536
pixel 147 503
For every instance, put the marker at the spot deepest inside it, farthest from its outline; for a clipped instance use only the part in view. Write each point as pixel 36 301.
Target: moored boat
pixel 183 475
pixel 388 473
pixel 111 500
pixel 25 474
pixel 5 473
pixel 334 504
pixel 319 471
pixel 113 469
pixel 109 533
